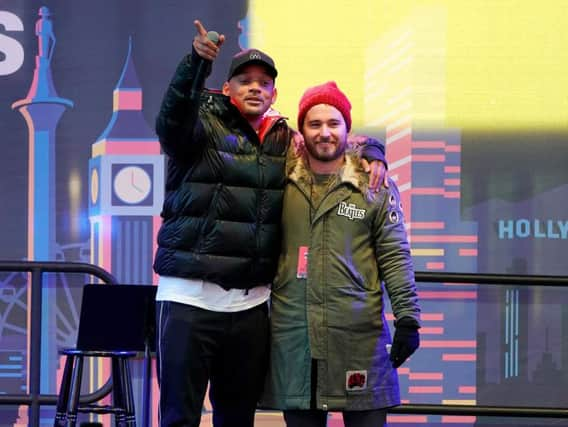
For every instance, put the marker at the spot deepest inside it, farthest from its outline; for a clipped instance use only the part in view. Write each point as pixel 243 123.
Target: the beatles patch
pixel 350 211
pixel 355 380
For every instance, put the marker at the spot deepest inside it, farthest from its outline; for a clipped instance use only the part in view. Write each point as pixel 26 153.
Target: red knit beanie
pixel 327 93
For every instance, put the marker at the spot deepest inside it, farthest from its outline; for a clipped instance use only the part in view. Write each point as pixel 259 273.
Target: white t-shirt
pixel 208 295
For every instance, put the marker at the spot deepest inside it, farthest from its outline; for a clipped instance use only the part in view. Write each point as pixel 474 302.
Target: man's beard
pixel 328 154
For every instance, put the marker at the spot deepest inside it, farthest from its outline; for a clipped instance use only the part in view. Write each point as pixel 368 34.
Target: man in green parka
pixel 343 246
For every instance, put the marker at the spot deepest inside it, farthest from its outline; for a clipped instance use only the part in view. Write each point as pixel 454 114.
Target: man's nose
pixel 254 86
pixel 324 132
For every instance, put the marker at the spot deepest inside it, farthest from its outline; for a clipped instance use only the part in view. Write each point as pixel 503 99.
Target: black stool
pixel 116 322
pixel 68 401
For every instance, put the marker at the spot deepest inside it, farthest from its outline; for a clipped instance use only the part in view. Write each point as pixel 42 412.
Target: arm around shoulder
pixel 371 149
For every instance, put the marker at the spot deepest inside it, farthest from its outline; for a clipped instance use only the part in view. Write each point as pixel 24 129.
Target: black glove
pixel 406 341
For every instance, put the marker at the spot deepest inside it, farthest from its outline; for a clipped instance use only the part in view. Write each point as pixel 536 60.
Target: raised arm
pixel 178 116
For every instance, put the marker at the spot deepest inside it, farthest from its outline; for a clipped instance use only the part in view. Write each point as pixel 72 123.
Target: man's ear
pixel 274 96
pixel 226 89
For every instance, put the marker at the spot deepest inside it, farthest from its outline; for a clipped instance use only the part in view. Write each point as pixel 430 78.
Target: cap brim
pixel 269 68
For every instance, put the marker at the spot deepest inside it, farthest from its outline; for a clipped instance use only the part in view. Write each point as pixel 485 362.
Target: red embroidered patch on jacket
pixel 355 380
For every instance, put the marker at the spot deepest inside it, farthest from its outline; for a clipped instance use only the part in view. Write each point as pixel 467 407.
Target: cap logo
pixel 255 55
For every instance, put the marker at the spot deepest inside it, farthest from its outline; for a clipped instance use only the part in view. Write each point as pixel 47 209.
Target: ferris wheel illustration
pixel 68 290
pixel 13 306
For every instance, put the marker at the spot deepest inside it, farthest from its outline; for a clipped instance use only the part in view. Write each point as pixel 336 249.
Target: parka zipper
pixel 261 164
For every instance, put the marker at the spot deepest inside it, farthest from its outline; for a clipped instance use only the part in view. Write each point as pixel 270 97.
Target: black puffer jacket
pixel 221 214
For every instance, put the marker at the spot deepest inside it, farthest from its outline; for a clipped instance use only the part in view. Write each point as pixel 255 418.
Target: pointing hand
pixel 203 45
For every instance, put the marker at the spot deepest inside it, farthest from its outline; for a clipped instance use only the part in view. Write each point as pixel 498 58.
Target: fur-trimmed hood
pixel 351 172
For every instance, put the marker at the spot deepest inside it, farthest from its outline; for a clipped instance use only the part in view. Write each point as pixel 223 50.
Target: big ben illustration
pixel 126 175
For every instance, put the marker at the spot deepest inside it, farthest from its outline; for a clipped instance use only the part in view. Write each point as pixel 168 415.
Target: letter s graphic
pixel 11 48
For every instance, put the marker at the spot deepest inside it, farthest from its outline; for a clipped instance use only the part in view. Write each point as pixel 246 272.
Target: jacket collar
pixel 351 173
pixel 268 121
pixel 222 105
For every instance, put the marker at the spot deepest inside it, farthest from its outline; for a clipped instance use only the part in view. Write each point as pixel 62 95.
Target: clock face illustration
pixel 94 186
pixel 132 184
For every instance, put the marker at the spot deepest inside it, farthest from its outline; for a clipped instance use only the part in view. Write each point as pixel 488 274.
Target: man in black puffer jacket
pixel 219 242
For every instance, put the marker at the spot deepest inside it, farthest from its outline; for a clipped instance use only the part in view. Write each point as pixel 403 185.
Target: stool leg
pixel 63 398
pixel 73 403
pixel 128 394
pixel 118 392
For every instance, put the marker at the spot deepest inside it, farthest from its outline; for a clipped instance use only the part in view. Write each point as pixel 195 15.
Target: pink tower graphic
pixel 42 108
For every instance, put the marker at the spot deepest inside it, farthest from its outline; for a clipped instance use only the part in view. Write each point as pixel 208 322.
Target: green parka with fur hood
pixel 355 240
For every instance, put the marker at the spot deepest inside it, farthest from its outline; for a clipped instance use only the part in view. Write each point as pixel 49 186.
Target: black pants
pixel 196 346
pixel 315 418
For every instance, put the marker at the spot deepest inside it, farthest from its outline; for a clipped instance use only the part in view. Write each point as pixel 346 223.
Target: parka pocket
pixel 354 310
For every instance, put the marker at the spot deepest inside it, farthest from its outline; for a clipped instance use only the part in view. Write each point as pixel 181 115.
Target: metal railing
pixel 34 399
pixel 481 410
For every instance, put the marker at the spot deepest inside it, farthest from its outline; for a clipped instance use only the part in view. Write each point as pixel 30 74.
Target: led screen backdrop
pixel 470 98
